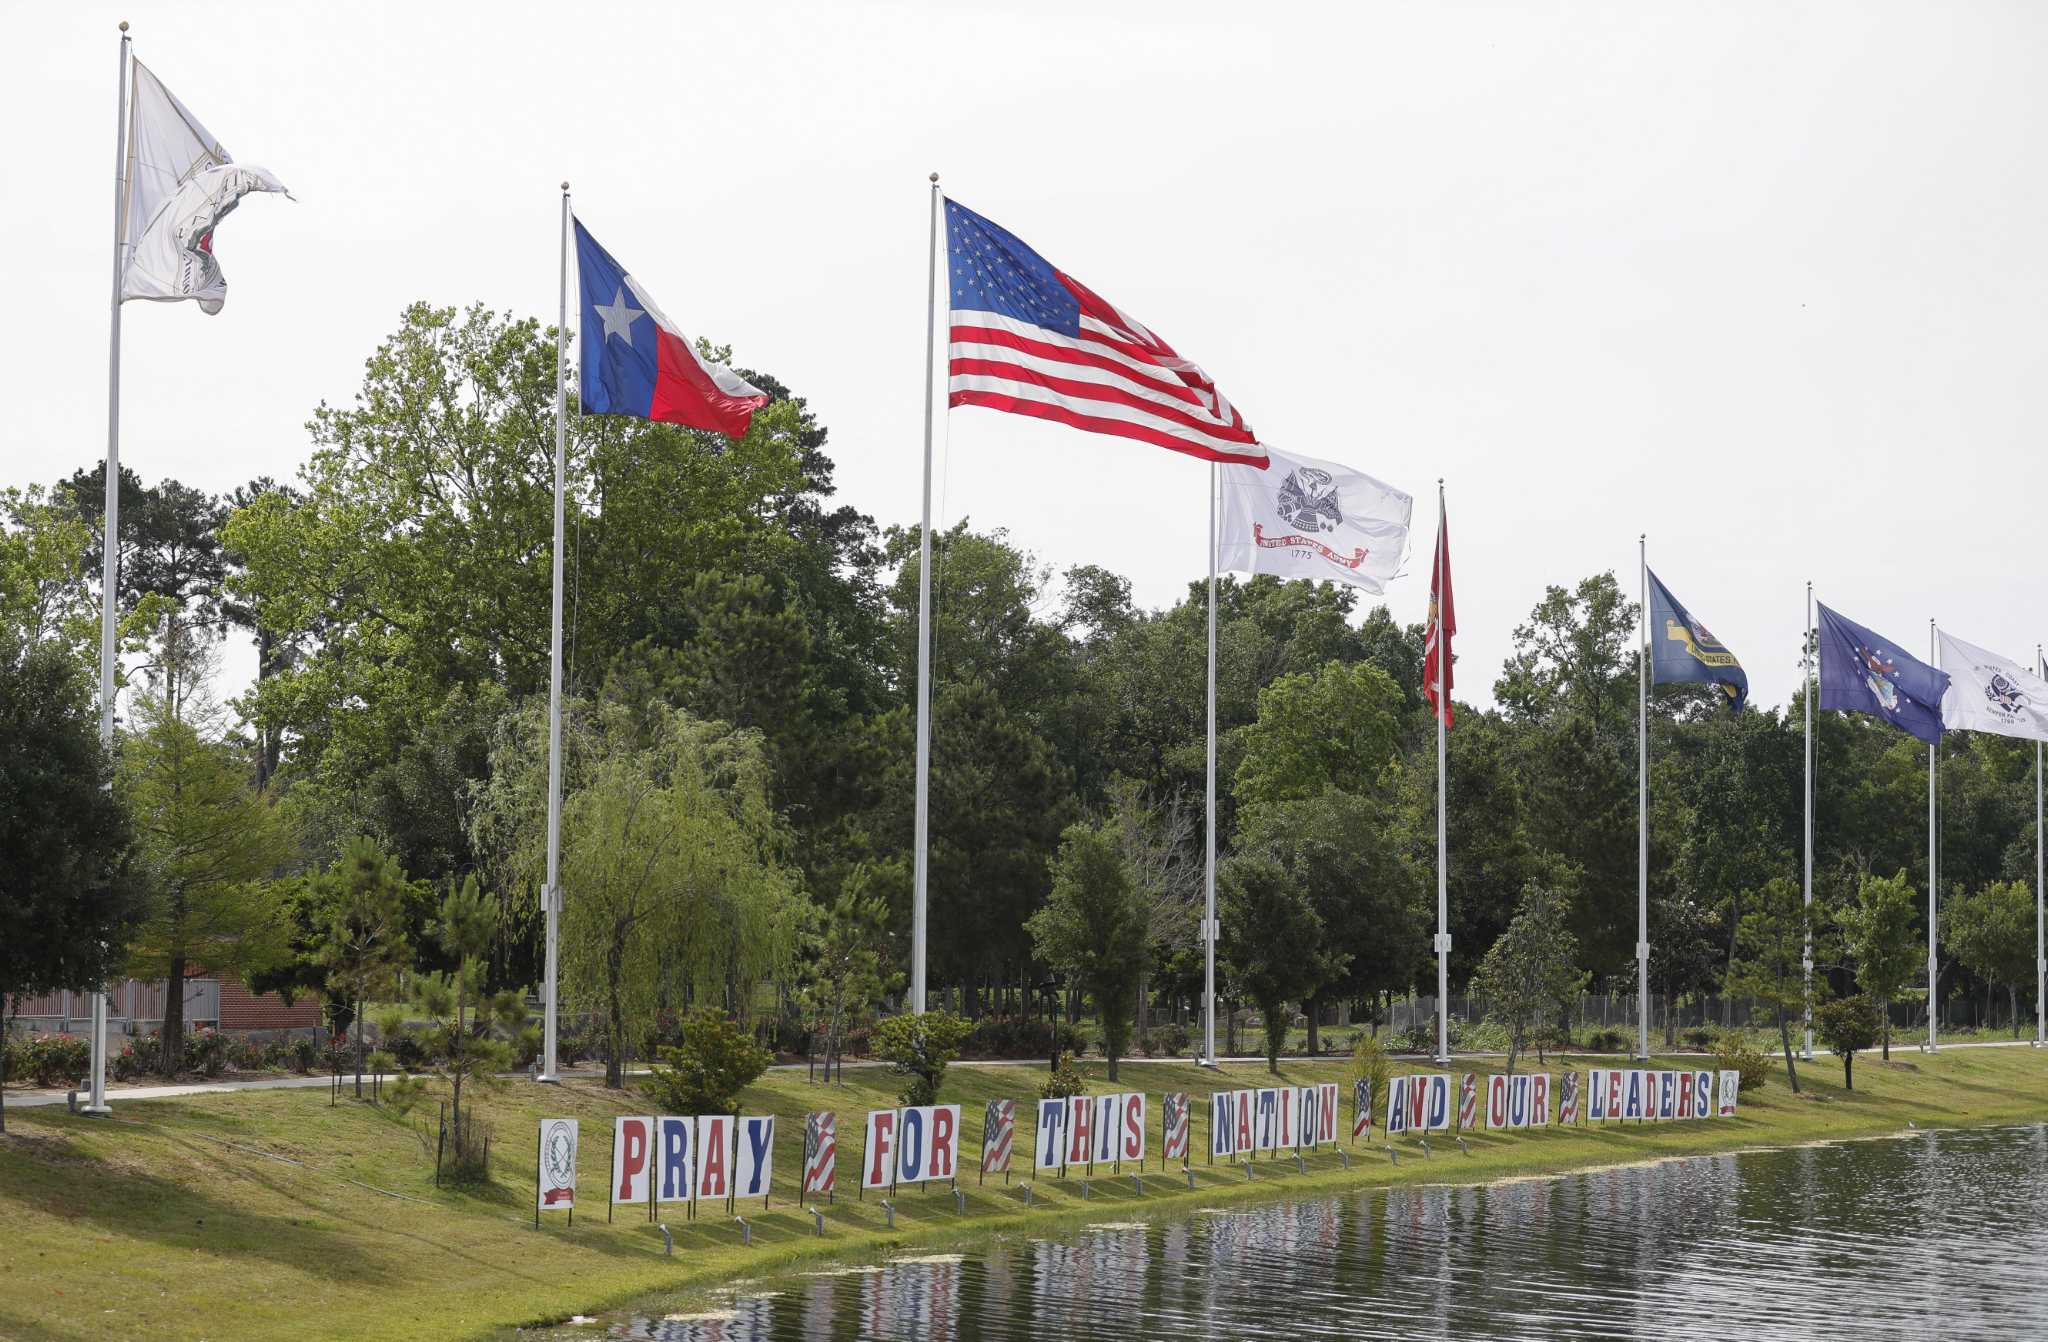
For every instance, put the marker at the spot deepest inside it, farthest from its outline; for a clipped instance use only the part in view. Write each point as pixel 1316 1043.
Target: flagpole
pixel 1443 902
pixel 1643 803
pixel 1806 955
pixel 110 529
pixel 551 892
pixel 1209 830
pixel 2040 932
pixel 1933 964
pixel 924 626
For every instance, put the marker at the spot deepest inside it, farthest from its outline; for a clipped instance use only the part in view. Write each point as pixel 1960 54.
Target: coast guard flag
pixel 637 362
pixel 1032 340
pixel 1682 650
pixel 179 182
pixel 1303 518
pixel 1986 693
pixel 1862 673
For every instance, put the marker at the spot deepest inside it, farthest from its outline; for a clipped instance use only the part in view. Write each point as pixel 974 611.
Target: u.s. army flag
pixel 1303 518
pixel 1987 693
pixel 180 184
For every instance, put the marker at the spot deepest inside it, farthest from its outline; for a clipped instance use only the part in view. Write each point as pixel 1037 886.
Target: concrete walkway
pixel 36 1099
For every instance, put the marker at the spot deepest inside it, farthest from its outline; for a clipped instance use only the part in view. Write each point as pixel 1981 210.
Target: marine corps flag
pixel 1443 622
pixel 1682 650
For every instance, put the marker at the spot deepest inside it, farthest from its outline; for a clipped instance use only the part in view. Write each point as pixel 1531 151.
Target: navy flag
pixel 1683 650
pixel 1862 673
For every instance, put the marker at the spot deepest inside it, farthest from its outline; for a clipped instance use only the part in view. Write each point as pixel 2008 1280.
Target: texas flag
pixel 636 362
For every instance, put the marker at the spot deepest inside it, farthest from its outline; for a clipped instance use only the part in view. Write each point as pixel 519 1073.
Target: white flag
pixel 1986 693
pixel 1303 518
pixel 181 183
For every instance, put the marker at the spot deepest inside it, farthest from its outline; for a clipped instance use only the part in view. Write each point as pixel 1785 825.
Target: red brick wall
pixel 241 1009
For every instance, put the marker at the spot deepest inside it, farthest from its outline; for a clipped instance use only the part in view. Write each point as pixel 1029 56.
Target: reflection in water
pixel 1937 1235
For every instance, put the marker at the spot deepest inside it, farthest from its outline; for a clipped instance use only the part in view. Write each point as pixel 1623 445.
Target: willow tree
pixel 674 886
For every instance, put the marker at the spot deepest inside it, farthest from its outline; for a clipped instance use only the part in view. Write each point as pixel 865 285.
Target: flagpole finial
pixel 935 179
pixel 565 185
pixel 124 25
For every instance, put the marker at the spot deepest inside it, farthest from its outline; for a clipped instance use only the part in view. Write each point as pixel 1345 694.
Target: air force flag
pixel 1862 673
pixel 1682 650
pixel 1302 518
pixel 1986 693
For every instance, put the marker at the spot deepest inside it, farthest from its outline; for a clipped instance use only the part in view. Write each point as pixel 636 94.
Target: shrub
pixel 51 1060
pixel 206 1052
pixel 707 1071
pixel 128 1064
pixel 1062 1083
pixel 1018 1037
pixel 1167 1041
pixel 1607 1041
pixel 1369 1062
pixel 302 1053
pixel 1699 1039
pixel 1732 1051
pixel 918 1048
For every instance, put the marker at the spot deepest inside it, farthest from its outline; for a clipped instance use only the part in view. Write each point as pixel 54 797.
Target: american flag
pixel 1032 340
pixel 1173 1127
pixel 998 1128
pixel 1468 1102
pixel 821 1152
pixel 1361 1110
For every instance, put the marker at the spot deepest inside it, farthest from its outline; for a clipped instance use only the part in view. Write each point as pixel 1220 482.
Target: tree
pixel 850 967
pixel 918 1047
pixel 715 1062
pixel 1094 928
pixel 1992 932
pixel 1770 957
pixel 1270 932
pixel 1847 1025
pixel 672 885
pixel 210 847
pixel 1333 729
pixel 364 944
pixel 1575 654
pixel 1531 971
pixel 69 899
pixel 474 1033
pixel 1880 935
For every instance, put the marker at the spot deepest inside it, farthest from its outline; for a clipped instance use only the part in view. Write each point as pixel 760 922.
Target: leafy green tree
pixel 210 847
pixel 1991 930
pixel 69 899
pixel 705 1074
pixel 850 967
pixel 1770 961
pixel 1576 654
pixel 363 947
pixel 1880 934
pixel 1531 970
pixel 1270 932
pixel 1095 929
pixel 1334 729
pixel 471 1033
pixel 45 594
pixel 917 1048
pixel 1847 1025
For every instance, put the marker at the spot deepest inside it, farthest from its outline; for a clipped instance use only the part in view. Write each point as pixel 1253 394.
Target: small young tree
pixel 472 1033
pixel 1530 968
pixel 1770 946
pixel 1095 928
pixel 849 970
pixel 1270 934
pixel 364 945
pixel 1847 1025
pixel 919 1047
pixel 1991 931
pixel 1879 935
pixel 706 1073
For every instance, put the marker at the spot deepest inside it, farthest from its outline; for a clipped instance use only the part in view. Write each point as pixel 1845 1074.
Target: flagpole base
pixel 101 1110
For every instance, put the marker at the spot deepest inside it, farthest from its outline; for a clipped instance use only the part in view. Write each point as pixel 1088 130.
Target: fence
pixel 134 1008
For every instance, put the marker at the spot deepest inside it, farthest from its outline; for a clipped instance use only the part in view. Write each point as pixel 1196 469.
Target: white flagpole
pixel 1643 805
pixel 110 530
pixel 1806 956
pixel 1209 832
pixel 1933 964
pixel 551 892
pixel 2040 932
pixel 924 624
pixel 1443 900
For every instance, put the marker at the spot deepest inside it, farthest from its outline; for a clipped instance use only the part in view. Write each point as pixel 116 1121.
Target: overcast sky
pixel 1763 280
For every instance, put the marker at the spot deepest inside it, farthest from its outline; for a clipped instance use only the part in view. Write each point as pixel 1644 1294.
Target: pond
pixel 1933 1234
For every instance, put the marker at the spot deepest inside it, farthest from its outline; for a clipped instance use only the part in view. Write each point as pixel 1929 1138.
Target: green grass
pixel 260 1215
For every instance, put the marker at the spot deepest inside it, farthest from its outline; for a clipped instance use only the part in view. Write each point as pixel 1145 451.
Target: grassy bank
pixel 272 1215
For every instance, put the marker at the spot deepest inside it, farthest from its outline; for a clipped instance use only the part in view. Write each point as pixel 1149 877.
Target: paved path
pixel 35 1099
